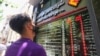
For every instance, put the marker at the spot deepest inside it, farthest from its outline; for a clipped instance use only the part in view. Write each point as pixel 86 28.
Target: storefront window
pixel 57 0
pixel 53 2
pixel 47 4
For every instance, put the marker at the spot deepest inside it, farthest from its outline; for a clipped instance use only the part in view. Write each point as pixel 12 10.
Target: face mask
pixel 35 29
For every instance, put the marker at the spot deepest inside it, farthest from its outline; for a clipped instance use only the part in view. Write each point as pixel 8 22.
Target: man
pixel 25 46
pixel 3 47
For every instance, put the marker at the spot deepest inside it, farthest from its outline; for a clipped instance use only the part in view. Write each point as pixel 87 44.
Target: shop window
pixel 47 4
pixel 57 0
pixel 53 2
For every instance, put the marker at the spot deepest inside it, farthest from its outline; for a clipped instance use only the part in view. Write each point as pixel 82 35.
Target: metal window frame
pixel 94 25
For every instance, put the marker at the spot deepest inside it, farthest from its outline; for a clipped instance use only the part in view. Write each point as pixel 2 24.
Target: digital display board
pixel 69 36
pixel 49 37
pixel 79 36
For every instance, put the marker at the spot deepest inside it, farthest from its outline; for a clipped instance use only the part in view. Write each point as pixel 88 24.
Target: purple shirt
pixel 25 47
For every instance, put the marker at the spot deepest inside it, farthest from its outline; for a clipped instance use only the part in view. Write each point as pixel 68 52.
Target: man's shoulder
pixel 38 50
pixel 27 46
pixel 30 45
pixel 27 43
pixel 35 45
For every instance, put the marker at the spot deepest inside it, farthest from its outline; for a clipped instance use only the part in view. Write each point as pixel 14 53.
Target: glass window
pixel 53 2
pixel 47 5
pixel 57 1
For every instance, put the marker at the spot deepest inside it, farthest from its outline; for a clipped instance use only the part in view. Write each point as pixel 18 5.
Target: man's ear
pixel 27 25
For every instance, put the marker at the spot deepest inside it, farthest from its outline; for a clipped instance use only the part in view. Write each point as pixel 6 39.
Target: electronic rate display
pixel 75 37
pixel 79 36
